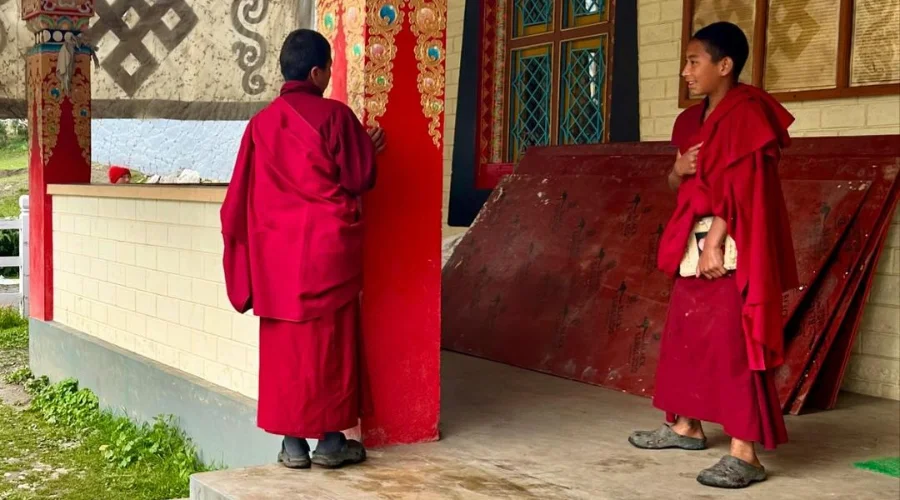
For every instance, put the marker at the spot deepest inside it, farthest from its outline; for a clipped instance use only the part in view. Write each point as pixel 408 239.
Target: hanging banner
pixel 178 59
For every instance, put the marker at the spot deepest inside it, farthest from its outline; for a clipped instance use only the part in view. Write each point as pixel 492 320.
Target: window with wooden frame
pixel 558 67
pixel 809 49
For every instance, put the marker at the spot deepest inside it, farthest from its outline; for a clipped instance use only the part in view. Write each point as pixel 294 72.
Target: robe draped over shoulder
pixel 291 219
pixel 737 180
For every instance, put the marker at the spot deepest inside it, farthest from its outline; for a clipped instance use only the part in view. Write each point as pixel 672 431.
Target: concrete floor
pixel 513 434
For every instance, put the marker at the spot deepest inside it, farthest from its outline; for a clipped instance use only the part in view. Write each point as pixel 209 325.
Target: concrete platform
pixel 514 434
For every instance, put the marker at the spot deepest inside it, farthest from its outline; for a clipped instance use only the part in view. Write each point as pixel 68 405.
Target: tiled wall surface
pixel 146 275
pixel 455 16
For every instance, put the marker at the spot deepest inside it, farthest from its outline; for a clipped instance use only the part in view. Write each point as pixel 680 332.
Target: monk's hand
pixel 686 164
pixel 378 139
pixel 712 262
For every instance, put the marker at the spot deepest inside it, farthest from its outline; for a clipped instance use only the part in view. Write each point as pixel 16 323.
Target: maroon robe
pixel 292 228
pixel 722 336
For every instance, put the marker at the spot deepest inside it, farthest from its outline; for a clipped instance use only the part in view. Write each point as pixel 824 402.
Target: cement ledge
pixel 221 423
pixel 200 193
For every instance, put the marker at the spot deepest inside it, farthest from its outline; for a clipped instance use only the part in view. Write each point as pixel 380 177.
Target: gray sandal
pixel 353 452
pixel 732 472
pixel 663 438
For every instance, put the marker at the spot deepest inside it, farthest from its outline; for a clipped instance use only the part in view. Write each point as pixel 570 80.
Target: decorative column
pixel 389 68
pixel 58 91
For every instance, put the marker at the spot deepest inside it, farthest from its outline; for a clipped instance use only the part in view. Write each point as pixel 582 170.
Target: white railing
pixel 18 297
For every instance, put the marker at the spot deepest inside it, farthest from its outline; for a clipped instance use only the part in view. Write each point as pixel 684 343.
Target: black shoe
pixel 301 461
pixel 352 452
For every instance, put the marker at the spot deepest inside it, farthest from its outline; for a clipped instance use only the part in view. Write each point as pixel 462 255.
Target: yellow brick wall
pixel 455 16
pixel 875 365
pixel 146 276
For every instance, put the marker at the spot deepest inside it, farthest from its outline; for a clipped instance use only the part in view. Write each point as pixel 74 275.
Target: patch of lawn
pixel 64 446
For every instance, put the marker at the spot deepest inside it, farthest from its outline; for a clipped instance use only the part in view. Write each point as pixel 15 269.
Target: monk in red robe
pixel 293 228
pixel 724 328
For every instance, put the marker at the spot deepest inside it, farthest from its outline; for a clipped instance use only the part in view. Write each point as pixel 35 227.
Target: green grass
pixel 59 461
pixel 13 330
pixel 14 154
pixel 65 446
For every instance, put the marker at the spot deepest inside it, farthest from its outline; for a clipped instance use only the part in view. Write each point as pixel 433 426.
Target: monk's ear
pixel 726 66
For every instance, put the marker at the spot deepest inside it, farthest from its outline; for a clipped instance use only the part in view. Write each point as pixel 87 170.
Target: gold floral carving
pixel 354 32
pixel 44 98
pixel 428 19
pixel 81 105
pixel 327 13
pixel 385 20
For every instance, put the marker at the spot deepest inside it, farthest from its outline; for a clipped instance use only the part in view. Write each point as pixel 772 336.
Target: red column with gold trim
pixel 389 67
pixel 59 124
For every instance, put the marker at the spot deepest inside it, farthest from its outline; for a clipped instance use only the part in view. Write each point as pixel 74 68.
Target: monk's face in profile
pixel 703 75
pixel 321 77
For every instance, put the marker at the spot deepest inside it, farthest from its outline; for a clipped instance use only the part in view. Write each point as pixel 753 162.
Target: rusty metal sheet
pixel 558 273
pixel 823 303
pixel 821 381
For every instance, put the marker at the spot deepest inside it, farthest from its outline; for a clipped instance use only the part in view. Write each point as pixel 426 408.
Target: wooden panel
pixel 801 45
pixel 740 12
pixel 875 53
pixel 577 293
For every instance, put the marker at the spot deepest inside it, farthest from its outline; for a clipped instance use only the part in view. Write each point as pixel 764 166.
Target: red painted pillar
pixel 389 67
pixel 59 125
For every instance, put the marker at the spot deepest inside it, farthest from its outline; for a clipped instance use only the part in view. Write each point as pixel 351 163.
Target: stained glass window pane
pixel 529 110
pixel 583 92
pixel 584 12
pixel 531 17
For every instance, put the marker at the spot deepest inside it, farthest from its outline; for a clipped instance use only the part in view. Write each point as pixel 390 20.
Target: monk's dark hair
pixel 302 51
pixel 723 40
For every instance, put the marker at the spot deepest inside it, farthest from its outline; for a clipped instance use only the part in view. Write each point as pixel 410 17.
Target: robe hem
pixel 671 417
pixel 309 434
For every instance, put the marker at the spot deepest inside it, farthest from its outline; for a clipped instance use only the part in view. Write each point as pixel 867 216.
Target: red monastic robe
pixel 292 227
pixel 721 336
pixel 737 180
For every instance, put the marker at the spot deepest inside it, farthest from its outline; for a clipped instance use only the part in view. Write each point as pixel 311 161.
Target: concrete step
pixel 399 473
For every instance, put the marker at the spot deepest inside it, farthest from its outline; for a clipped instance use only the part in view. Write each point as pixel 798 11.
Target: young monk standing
pixel 293 229
pixel 724 328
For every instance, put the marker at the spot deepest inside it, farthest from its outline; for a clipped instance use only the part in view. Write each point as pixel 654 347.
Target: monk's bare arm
pixel 717 231
pixel 674 178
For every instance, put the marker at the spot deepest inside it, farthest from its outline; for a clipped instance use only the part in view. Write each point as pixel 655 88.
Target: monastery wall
pixel 146 276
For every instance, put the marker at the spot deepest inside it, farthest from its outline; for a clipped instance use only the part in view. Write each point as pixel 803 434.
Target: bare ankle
pixel 745 450
pixel 688 427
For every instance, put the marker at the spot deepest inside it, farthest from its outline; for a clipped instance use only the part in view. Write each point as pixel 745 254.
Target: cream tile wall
pixel 875 365
pixel 455 17
pixel 146 275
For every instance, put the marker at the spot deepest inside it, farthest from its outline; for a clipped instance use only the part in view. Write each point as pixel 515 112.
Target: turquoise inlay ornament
pixel 54 92
pixel 357 50
pixel 84 112
pixel 434 53
pixel 380 80
pixel 388 13
pixel 329 21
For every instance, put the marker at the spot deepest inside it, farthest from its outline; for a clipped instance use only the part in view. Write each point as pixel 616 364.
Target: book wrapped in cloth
pixel 694 247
